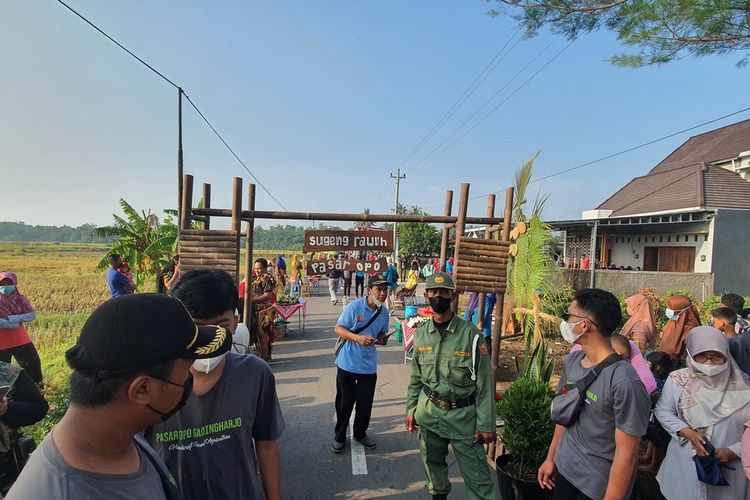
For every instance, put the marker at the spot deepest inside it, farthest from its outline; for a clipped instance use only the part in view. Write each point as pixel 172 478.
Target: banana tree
pixel 141 240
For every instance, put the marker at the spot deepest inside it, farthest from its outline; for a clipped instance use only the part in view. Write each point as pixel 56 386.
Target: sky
pixel 323 101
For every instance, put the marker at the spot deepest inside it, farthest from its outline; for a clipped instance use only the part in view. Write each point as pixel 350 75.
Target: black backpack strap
pixel 586 381
pixel 374 317
pixel 167 479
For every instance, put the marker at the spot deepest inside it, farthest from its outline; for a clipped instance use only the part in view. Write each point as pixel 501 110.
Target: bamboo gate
pixel 481 265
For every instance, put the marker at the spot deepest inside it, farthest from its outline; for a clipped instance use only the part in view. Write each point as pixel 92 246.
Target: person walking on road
pixel 450 398
pixel 362 325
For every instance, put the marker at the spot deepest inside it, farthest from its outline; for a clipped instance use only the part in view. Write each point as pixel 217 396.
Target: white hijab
pixel 707 400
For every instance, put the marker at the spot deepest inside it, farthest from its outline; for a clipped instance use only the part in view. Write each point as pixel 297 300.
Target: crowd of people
pixel 691 401
pixel 165 401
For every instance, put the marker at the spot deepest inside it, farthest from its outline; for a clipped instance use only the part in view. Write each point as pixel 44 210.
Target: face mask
pixel 7 289
pixel 709 370
pixel 440 304
pixel 186 390
pixel 670 314
pixel 207 365
pixel 566 329
pixel 376 302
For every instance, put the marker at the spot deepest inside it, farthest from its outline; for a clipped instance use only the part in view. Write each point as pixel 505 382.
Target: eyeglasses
pixel 567 315
pixel 717 358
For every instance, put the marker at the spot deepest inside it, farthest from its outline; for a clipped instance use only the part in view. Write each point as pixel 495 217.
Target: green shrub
pixel 528 428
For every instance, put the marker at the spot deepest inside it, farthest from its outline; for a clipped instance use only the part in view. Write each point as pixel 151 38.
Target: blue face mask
pixel 7 289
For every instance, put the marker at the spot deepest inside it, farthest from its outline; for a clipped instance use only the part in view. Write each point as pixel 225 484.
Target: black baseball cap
pixel 139 331
pixel 376 279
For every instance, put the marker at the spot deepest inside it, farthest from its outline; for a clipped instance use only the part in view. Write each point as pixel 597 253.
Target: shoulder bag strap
pixel 586 381
pixel 171 492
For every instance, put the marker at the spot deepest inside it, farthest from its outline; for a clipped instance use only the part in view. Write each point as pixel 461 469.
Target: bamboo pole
pixel 187 202
pixel 489 272
pixel 207 204
pixel 247 305
pixel 446 230
pixel 487 234
pixel 499 303
pixel 343 217
pixel 463 207
pixel 236 221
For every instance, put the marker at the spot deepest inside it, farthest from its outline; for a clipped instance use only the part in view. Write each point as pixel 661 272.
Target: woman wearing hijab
pixel 641 327
pixel 296 269
pixel 682 317
pixel 707 401
pixel 15 310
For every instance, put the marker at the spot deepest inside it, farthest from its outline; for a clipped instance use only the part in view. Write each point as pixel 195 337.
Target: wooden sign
pixel 320 267
pixel 375 240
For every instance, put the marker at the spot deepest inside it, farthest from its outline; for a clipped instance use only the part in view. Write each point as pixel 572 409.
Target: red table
pixel 408 333
pixel 286 311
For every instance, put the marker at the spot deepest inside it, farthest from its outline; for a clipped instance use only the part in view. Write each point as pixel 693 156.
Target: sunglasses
pixel 566 315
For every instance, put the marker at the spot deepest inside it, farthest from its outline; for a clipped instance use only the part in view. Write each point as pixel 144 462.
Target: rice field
pixel 63 284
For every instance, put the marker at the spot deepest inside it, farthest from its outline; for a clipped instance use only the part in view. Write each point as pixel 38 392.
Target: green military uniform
pixel 443 364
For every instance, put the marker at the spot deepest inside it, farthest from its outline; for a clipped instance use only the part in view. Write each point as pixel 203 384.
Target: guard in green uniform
pixel 451 395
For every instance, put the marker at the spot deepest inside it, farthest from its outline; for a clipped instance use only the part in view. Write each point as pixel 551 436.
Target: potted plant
pixel 527 430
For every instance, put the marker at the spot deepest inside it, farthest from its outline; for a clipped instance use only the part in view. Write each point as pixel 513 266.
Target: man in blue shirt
pixel 118 283
pixel 361 324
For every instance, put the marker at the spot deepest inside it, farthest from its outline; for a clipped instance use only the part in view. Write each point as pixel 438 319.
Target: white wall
pixel 628 251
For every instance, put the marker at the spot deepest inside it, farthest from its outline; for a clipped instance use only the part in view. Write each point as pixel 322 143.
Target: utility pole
pixel 179 158
pixel 398 178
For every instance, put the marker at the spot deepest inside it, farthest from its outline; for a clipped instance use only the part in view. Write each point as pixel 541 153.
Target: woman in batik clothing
pixel 263 296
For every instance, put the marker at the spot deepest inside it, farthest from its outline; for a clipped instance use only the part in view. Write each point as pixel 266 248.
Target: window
pixel 669 239
pixel 696 237
pixel 639 239
pixel 661 239
pixel 705 237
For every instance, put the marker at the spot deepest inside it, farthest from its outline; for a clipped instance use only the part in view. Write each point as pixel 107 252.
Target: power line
pixel 71 9
pixel 480 78
pixel 639 146
pixel 233 153
pixel 624 151
pixel 429 155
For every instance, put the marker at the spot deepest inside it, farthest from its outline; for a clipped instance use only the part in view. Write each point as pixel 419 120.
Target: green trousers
pixel 471 462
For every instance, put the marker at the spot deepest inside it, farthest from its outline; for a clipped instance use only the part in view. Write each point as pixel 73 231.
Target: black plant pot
pixel 512 488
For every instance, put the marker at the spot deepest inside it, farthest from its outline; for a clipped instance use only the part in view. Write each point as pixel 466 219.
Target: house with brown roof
pixel 683 225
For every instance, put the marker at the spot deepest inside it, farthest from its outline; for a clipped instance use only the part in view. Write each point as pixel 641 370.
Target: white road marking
pixel 359 459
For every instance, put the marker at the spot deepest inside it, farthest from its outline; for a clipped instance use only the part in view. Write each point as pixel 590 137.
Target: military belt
pixel 447 405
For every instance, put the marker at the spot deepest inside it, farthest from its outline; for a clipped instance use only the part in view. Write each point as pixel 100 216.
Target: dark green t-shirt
pixel 208 444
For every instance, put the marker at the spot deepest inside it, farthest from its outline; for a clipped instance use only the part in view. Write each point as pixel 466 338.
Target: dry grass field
pixel 64 286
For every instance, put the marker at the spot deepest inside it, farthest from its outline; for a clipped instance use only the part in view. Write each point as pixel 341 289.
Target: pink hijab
pixel 15 303
pixel 641 322
pixel 639 363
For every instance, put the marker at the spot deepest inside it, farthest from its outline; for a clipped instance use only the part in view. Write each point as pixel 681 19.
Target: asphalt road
pixel 305 381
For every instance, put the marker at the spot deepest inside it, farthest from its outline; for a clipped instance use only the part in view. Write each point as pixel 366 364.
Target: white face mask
pixel 670 314
pixel 708 370
pixel 376 301
pixel 207 365
pixel 566 329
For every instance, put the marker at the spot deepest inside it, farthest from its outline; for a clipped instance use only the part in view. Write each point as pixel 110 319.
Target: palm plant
pixel 141 240
pixel 531 266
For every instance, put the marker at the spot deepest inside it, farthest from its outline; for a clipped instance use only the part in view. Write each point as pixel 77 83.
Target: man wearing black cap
pixel 450 398
pixel 130 370
pixel 361 325
pixel 233 415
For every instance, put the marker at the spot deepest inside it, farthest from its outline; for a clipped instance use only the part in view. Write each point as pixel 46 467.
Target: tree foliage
pixel 418 238
pixel 659 31
pixel 18 231
pixel 144 242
